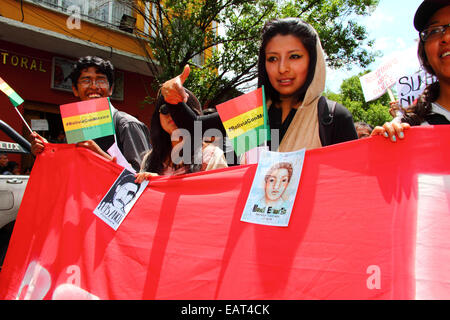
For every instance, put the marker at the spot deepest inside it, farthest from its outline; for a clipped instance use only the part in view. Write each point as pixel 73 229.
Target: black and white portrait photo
pixel 119 200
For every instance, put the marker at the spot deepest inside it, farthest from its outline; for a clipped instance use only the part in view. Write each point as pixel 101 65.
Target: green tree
pixel 374 112
pixel 184 30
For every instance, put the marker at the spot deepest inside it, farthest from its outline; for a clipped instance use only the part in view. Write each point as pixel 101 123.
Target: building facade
pixel 40 40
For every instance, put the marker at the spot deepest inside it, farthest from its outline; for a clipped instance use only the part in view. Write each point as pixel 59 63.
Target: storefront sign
pixel 28 63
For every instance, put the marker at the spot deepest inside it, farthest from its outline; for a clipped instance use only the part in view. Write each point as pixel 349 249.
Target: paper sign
pixel 374 84
pixel 399 63
pixel 245 120
pixel 274 188
pixel 39 124
pixel 87 120
pixel 410 87
pixel 119 200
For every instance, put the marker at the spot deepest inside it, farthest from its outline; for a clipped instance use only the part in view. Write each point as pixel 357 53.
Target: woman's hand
pixel 141 176
pixel 391 130
pixel 172 90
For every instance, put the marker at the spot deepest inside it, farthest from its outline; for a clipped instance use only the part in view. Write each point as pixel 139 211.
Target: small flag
pixel 16 100
pixel 87 120
pixel 245 120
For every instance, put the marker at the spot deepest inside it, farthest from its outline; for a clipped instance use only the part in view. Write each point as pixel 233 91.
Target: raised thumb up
pixel 173 91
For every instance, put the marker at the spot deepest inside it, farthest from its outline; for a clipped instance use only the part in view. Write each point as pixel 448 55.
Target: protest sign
pixel 245 120
pixel 374 84
pixel 87 120
pixel 410 87
pixel 377 82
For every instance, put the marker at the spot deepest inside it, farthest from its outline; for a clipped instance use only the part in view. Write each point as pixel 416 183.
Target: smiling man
pixel 92 78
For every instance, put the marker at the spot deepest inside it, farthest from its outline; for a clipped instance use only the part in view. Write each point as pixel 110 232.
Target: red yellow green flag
pixel 245 120
pixel 87 120
pixel 16 100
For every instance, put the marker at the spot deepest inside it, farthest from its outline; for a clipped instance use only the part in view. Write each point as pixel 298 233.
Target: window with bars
pixel 106 11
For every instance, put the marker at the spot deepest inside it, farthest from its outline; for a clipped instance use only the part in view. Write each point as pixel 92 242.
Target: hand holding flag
pixel 37 144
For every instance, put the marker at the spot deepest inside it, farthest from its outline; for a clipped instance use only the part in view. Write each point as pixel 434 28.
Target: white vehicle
pixel 12 187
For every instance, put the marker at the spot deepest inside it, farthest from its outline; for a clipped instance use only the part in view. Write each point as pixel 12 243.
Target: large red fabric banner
pixel 370 221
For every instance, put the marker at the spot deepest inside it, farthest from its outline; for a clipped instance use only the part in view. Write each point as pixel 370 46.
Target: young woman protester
pixel 170 147
pixel 432 20
pixel 291 66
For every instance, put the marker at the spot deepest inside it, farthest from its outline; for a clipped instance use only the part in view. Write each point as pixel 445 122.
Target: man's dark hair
pixel 103 66
pixel 126 179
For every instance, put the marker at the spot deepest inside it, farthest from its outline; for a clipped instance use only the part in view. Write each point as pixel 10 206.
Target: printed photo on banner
pixel 119 200
pixel 272 195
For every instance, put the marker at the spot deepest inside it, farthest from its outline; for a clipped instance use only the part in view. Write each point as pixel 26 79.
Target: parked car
pixel 12 187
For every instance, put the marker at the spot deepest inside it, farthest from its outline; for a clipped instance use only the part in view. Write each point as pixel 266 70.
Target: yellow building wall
pixel 47 19
pixel 41 17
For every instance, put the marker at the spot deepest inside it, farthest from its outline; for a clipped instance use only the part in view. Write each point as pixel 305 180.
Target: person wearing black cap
pixel 432 21
pixel 176 151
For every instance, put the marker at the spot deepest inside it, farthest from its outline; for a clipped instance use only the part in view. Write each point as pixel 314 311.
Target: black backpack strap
pixel 435 118
pixel 325 114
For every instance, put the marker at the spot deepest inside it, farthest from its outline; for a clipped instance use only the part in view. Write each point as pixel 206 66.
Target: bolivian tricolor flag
pixel 245 120
pixel 87 120
pixel 16 100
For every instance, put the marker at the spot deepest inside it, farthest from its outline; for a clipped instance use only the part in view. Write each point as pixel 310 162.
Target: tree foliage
pixel 182 30
pixel 374 112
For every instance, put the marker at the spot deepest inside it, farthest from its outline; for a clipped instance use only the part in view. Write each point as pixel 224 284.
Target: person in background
pixel 363 129
pixel 12 168
pixel 92 78
pixel 3 162
pixel 61 138
pixel 432 21
pixel 291 66
pixel 168 155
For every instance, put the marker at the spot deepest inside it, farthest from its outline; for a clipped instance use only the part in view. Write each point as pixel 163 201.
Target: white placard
pixel 39 124
pixel 410 87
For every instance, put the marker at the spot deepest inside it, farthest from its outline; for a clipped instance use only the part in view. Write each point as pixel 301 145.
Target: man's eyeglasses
pixel 164 109
pixel 102 83
pixel 433 32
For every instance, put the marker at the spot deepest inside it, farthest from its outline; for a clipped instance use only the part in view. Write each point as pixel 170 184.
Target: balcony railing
pixel 109 12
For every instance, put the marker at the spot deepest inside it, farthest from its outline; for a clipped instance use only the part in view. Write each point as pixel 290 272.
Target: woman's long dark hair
pixel 416 113
pixel 162 146
pixel 287 26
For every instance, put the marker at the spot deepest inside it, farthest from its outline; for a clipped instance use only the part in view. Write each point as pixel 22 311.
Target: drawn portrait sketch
pixel 274 189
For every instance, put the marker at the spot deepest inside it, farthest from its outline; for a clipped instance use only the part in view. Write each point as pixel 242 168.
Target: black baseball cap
pixel 426 10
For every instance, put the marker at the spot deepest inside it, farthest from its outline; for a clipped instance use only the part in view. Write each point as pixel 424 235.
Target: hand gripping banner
pixel 370 221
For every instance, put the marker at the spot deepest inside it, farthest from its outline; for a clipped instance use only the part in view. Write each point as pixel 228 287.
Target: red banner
pixel 370 221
